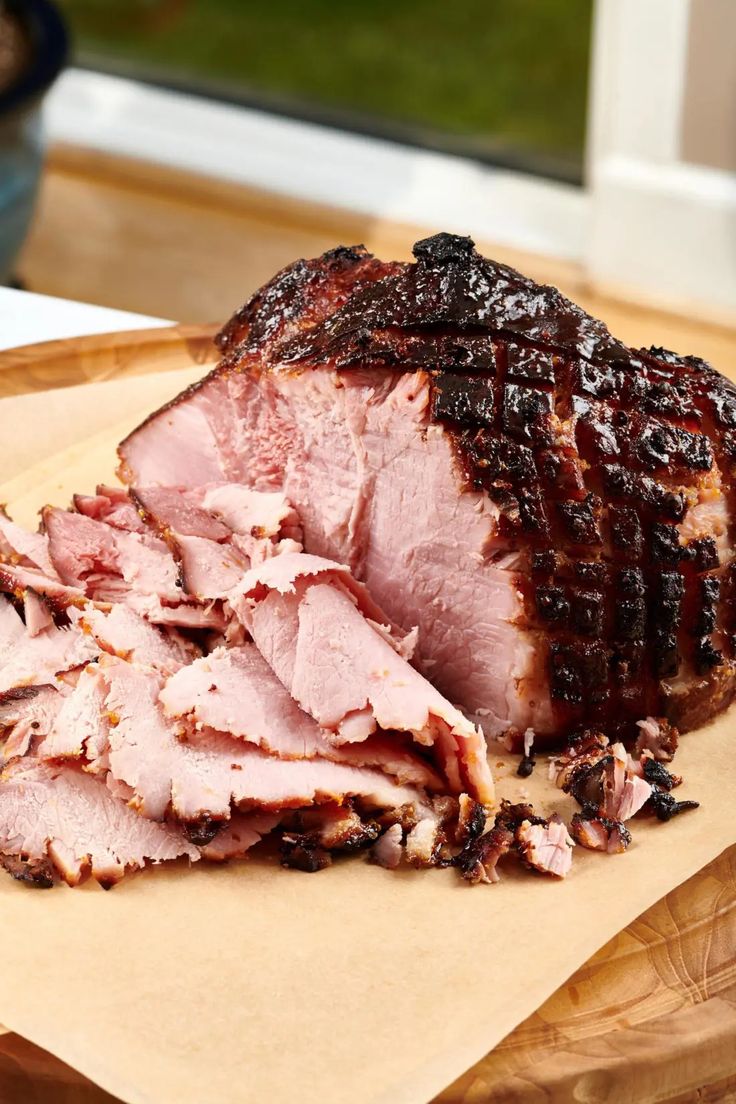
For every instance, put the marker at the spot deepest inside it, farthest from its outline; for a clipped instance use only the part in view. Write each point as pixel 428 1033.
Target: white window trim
pixel 660 228
pixel 647 225
pixel 382 179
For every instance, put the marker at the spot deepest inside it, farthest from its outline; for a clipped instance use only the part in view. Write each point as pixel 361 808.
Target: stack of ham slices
pixel 178 678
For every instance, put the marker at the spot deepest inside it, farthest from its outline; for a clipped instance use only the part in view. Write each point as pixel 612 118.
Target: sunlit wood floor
pixel 130 235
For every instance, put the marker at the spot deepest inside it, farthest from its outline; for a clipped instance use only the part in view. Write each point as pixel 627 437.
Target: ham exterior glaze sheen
pixel 551 509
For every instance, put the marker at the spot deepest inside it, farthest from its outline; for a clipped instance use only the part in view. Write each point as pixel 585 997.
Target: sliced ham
pixel 111 505
pixel 27 714
pixel 342 672
pixel 178 511
pixel 36 612
pixel 125 633
pixel 85 551
pixel 24 547
pixel 15 578
pixel 233 690
pixel 80 727
pixel 204 779
pixel 251 513
pixel 60 814
pixel 209 570
pixel 182 615
pixel 27 660
pixel 242 831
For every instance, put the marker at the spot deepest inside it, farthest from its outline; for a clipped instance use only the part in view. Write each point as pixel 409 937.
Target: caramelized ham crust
pixel 544 503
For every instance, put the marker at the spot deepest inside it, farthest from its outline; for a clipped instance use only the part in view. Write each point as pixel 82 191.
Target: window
pixel 500 81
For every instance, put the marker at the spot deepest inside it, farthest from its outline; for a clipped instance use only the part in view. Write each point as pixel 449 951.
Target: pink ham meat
pixel 219 531
pixel 171 510
pixel 80 726
pixel 20 546
pixel 182 615
pixel 36 612
pixel 209 570
pixel 56 817
pixel 238 836
pixel 111 505
pixel 125 633
pixel 203 777
pixel 27 660
pixel 25 563
pixel 251 513
pixel 303 615
pixel 27 714
pixel 15 578
pixel 216 511
pixel 94 555
pixel 234 691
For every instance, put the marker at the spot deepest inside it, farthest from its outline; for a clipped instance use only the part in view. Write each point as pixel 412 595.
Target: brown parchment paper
pixel 248 983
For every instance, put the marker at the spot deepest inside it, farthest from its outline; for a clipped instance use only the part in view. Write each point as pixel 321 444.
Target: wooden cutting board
pixel 650 1018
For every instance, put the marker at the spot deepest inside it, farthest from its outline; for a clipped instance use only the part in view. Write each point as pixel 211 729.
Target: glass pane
pixel 503 81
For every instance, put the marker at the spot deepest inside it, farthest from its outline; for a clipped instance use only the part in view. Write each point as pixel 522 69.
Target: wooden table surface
pixel 650 1018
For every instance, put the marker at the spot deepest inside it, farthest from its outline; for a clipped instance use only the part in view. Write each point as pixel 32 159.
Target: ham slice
pixel 111 505
pixel 241 832
pixel 80 726
pixel 125 633
pixel 85 551
pixel 27 713
pixel 183 615
pixel 177 511
pixel 209 570
pixel 27 660
pixel 19 545
pixel 203 778
pixel 251 513
pixel 15 577
pixel 36 612
pixel 234 691
pixel 61 816
pixel 302 613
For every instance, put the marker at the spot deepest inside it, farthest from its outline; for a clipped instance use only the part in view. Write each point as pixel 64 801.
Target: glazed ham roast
pixel 550 508
pixel 413 499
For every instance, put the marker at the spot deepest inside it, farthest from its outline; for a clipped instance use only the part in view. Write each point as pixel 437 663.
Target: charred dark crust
pixel 37 873
pixel 510 362
pixel 203 831
pixel 23 693
pixel 302 853
pixel 482 851
pixel 526 766
pixel 664 806
pixel 658 775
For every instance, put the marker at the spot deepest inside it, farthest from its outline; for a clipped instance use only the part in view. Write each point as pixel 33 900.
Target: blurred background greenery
pixel 503 81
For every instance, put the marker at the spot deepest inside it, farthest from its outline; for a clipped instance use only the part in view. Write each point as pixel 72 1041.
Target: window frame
pixel 645 225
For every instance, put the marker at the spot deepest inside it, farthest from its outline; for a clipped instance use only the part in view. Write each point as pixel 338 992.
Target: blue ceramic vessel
pixel 21 144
